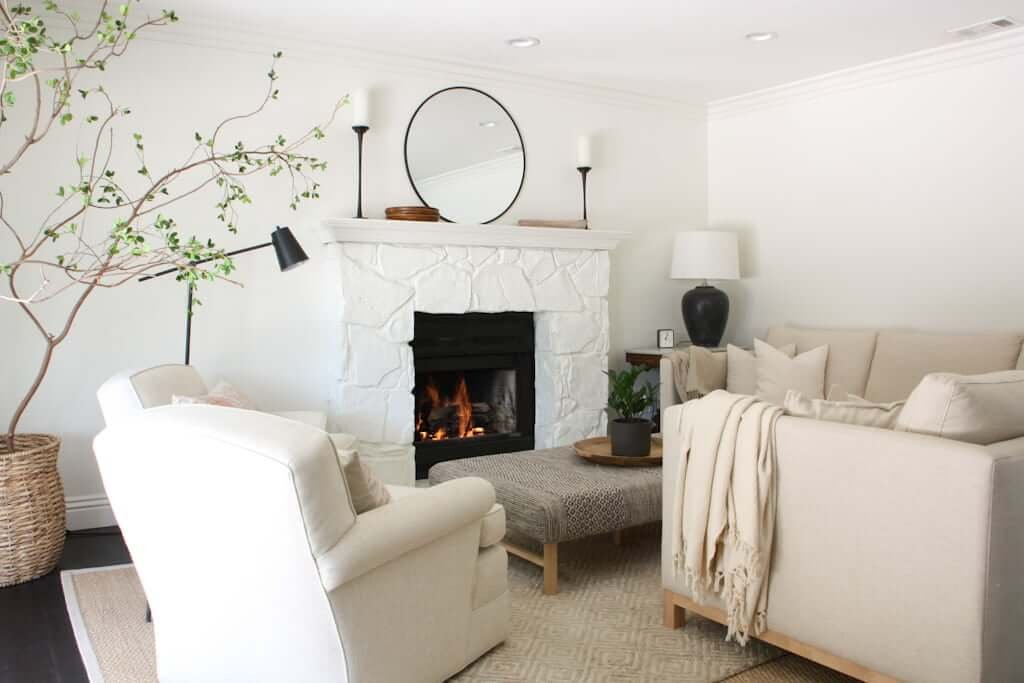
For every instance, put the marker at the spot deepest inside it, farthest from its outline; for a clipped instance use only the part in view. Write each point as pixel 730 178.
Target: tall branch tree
pixel 105 230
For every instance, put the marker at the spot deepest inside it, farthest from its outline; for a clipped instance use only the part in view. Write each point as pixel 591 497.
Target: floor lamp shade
pixel 289 251
pixel 705 255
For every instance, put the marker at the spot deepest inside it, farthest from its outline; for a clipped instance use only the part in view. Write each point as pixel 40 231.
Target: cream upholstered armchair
pixel 258 569
pixel 133 391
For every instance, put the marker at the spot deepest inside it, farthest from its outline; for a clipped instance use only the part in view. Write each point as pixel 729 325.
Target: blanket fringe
pixel 731 586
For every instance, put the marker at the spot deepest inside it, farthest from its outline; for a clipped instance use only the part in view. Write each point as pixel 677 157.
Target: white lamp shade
pixel 705 255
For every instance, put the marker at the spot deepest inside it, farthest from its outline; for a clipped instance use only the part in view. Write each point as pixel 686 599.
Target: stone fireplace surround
pixel 387 270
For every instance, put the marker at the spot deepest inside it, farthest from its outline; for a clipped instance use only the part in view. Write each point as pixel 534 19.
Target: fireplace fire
pixel 449 409
pixel 474 392
pixel 448 418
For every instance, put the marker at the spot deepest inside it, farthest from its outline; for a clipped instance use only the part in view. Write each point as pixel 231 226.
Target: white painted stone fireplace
pixel 388 270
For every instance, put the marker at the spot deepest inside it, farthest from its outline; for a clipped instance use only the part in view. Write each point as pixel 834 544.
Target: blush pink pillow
pixel 223 394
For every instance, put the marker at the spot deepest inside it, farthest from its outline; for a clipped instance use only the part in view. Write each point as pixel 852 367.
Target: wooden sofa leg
pixel 550 568
pixel 675 616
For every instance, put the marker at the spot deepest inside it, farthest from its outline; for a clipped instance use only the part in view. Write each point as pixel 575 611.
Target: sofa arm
pixel 885 527
pixel 667 394
pixel 403 525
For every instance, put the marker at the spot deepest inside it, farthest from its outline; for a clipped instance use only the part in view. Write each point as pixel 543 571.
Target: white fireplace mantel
pixel 462 234
pixel 387 271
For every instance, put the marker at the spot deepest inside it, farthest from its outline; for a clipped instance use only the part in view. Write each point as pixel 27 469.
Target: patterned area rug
pixel 604 625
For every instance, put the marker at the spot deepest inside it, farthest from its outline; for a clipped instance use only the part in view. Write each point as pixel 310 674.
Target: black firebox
pixel 474 385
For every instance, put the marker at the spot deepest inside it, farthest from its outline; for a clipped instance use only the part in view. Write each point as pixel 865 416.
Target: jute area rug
pixel 604 625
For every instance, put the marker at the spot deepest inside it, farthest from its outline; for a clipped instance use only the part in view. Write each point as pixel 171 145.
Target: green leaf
pixel 624 397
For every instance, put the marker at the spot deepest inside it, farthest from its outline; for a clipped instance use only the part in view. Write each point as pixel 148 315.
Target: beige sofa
pixel 896 555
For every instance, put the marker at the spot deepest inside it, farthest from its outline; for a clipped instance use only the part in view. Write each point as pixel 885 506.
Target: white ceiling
pixel 691 50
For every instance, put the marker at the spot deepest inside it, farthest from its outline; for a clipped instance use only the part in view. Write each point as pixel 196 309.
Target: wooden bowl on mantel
pixel 412 213
pixel 599 450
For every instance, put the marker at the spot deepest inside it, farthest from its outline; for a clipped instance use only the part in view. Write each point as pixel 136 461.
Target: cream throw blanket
pixel 725 504
pixel 696 372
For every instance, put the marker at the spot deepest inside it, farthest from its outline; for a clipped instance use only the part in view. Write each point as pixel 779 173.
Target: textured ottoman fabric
pixel 552 495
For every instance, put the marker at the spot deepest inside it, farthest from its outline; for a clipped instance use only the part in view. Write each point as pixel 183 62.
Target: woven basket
pixel 31 508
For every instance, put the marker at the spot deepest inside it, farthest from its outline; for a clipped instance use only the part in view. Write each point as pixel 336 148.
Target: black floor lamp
pixel 289 254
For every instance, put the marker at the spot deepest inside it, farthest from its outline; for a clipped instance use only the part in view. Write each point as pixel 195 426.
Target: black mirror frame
pixel 519 133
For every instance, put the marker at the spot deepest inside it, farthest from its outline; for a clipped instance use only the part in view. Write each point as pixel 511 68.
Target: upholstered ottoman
pixel 551 496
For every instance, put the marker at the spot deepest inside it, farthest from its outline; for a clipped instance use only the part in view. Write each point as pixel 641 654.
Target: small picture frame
pixel 666 339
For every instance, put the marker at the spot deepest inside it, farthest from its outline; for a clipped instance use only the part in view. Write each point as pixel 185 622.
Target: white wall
pixel 271 338
pixel 891 195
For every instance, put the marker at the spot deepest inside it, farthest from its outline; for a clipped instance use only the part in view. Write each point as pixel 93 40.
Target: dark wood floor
pixel 36 642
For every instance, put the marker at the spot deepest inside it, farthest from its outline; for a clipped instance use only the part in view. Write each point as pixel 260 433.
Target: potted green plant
pixel 630 434
pixel 53 61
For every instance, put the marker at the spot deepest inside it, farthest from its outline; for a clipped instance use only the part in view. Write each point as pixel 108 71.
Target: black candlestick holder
pixel 360 132
pixel 584 170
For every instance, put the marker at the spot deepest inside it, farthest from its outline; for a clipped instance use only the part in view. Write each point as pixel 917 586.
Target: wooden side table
pixel 651 357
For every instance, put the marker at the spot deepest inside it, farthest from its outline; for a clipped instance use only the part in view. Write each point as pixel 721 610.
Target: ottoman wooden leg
pixel 550 568
pixel 675 616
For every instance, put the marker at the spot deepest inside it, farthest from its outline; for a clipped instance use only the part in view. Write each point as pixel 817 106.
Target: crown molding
pixel 957 55
pixel 196 30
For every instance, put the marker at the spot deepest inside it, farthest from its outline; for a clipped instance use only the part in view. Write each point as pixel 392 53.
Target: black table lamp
pixel 289 255
pixel 705 255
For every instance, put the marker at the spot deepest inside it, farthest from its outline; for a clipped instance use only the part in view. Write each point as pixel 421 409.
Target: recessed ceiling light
pixel 762 36
pixel 523 41
pixel 488 124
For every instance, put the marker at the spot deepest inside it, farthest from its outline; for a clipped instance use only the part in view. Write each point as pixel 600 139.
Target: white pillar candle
pixel 360 107
pixel 583 151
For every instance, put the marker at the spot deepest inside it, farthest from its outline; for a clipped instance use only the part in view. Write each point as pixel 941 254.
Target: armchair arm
pixel 403 525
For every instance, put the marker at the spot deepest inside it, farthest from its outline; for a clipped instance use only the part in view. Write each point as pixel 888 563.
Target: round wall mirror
pixel 464 155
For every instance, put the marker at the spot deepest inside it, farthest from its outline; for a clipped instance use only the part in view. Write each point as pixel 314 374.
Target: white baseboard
pixel 89 512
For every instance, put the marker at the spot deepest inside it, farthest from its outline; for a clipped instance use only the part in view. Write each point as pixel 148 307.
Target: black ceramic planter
pixel 630 438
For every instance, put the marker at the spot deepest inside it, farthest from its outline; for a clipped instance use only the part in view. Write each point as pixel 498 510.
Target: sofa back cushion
pixel 981 409
pixel 849 353
pixel 902 359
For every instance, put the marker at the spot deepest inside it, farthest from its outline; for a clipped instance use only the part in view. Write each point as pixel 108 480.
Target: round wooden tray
pixel 412 213
pixel 599 450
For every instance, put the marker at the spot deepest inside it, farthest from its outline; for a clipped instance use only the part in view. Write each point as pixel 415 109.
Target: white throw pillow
pixel 979 409
pixel 741 368
pixel 777 373
pixel 854 410
pixel 223 394
pixel 364 488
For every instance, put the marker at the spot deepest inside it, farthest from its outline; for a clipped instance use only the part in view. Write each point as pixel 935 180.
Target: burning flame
pixel 463 409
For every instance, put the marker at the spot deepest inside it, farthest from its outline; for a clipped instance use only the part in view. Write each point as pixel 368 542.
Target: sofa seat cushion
pixel 849 355
pixel 902 359
pixel 981 409
pixel 493 528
